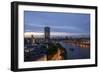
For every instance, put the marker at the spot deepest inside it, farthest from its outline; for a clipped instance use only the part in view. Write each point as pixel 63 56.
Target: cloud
pixel 54 34
pixel 59 27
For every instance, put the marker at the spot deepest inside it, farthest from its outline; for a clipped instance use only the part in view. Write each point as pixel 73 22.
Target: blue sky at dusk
pixel 58 22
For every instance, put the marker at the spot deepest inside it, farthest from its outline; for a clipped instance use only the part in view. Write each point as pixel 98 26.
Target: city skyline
pixel 56 36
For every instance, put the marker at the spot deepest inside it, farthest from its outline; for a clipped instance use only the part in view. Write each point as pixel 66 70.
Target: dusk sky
pixel 58 22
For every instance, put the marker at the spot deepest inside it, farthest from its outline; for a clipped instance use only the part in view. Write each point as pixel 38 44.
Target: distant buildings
pixel 33 39
pixel 80 42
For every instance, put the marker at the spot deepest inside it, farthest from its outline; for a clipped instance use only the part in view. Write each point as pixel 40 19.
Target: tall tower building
pixel 47 34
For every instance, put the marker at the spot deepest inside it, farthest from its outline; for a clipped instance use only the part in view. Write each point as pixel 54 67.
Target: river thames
pixel 75 52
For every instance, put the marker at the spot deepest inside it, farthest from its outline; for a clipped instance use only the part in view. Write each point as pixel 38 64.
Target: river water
pixel 74 52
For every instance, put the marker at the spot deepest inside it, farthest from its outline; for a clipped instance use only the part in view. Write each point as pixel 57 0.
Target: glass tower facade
pixel 47 34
